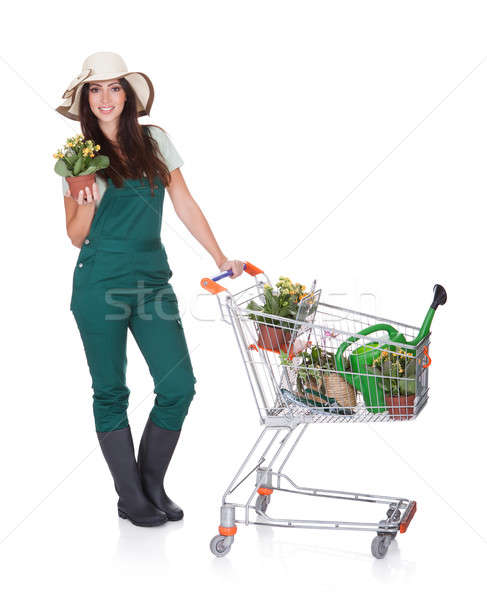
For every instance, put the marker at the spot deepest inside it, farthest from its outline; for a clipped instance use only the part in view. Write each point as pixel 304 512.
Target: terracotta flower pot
pixel 400 408
pixel 273 338
pixel 79 183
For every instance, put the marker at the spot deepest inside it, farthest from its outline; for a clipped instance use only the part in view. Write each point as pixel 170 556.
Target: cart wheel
pixel 380 545
pixel 221 544
pixel 262 503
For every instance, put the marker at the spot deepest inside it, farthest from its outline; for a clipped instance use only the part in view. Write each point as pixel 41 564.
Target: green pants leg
pixel 157 328
pixel 105 345
pixel 159 333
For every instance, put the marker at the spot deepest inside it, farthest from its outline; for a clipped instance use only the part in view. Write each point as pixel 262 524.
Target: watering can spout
pixel 439 296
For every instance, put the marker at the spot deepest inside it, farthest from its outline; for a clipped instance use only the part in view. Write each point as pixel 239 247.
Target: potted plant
pixel 78 162
pixel 317 380
pixel 274 333
pixel 397 372
pixel 309 380
pixel 336 386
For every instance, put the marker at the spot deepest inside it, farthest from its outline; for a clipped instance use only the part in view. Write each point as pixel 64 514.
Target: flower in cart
pixel 281 301
pixel 312 366
pixel 396 370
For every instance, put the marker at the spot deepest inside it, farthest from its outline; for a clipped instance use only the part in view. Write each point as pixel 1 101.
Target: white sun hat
pixel 102 66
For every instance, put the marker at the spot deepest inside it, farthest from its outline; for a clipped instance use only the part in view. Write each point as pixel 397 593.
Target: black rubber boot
pixel 118 449
pixel 155 452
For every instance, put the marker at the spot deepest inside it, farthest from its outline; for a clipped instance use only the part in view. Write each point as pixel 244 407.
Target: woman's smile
pixel 107 98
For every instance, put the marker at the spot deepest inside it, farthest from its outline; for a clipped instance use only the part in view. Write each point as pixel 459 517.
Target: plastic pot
pixel 400 408
pixel 79 183
pixel 273 338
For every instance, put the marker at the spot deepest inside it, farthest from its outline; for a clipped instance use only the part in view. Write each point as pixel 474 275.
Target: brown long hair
pixel 140 151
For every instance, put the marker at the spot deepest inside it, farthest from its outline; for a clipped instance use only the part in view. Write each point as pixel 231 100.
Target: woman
pixel 121 279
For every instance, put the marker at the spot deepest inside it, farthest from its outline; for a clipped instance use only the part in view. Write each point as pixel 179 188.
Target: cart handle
pixel 210 285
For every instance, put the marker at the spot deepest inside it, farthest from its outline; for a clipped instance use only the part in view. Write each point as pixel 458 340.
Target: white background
pixel 339 140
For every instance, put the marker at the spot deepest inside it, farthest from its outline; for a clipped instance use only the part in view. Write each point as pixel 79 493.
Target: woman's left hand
pixel 235 265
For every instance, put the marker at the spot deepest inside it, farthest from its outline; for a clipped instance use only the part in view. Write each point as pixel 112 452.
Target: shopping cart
pixel 328 365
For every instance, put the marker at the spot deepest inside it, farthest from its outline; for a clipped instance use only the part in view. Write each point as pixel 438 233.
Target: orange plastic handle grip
pixel 215 288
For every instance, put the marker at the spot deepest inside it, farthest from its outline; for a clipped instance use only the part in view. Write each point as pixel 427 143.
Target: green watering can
pixel 362 357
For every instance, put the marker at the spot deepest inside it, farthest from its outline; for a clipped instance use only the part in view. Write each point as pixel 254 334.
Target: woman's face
pixel 107 99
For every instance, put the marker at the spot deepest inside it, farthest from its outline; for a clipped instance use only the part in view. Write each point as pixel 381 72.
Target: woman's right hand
pixel 79 214
pixel 88 196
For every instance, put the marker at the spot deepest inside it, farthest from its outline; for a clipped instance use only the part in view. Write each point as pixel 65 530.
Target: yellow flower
pixel 97 147
pixel 92 155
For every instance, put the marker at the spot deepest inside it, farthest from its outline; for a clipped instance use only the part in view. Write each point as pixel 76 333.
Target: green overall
pixel 120 281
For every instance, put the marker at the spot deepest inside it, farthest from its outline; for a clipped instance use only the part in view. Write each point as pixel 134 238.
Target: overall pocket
pixel 83 268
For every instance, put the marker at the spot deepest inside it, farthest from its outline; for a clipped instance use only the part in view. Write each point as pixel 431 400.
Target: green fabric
pixel 121 282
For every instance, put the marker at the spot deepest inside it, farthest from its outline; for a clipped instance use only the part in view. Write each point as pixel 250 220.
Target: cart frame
pixel 282 431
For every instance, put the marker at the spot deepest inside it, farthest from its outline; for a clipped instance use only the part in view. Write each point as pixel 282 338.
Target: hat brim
pixel 140 83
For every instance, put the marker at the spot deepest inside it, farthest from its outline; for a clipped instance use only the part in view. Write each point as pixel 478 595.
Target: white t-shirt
pixel 170 156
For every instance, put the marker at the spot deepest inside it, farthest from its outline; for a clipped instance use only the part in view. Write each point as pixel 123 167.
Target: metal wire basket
pixel 319 368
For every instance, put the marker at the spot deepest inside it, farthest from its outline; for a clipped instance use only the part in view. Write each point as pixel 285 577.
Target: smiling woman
pixel 121 279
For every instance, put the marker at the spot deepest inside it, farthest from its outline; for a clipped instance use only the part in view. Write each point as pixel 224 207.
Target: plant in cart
pixel 78 162
pixel 284 301
pixel 318 383
pixel 396 372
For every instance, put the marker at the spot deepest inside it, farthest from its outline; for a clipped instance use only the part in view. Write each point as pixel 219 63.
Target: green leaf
pixel 78 166
pixel 374 371
pixel 252 305
pixel 407 387
pixel 71 159
pixel 88 171
pixel 387 367
pixel 411 368
pixel 61 168
pixel 100 162
pixel 268 298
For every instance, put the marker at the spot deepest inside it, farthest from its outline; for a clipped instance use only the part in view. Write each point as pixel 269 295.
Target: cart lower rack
pixel 325 364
